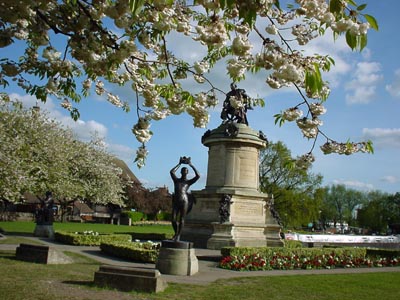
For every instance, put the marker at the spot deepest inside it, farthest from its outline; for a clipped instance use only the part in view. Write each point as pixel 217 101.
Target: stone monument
pixel 45 217
pixel 231 211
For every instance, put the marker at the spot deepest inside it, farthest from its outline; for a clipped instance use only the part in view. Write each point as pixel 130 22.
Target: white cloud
pixel 390 179
pixel 123 152
pixel 354 184
pixel 362 87
pixel 383 137
pixel 86 129
pixel 394 87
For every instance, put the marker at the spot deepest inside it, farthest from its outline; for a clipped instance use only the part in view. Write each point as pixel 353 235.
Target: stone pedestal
pixel 41 254
pixel 177 258
pixel 130 279
pixel 44 231
pixel 233 173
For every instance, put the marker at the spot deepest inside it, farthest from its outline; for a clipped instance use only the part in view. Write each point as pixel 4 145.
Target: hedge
pixel 271 251
pixel 150 236
pixel 132 251
pixel 89 239
pixel 388 253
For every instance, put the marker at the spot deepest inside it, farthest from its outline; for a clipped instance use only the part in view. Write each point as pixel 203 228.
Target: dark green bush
pixel 388 253
pixel 137 252
pixel 89 239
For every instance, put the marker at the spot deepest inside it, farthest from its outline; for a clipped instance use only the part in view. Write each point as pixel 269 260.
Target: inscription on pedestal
pixel 253 209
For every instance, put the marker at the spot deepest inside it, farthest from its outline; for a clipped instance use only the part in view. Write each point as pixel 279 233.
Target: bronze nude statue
pixel 182 201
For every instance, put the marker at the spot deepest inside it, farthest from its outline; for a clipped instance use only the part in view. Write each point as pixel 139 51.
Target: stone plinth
pixel 177 258
pixel 44 231
pixel 233 172
pixel 41 254
pixel 130 279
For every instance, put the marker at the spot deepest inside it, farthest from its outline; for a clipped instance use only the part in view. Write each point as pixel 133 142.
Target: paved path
pixel 208 271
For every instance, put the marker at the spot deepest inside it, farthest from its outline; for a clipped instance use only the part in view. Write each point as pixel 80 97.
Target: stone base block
pixel 272 232
pixel 197 233
pixel 41 254
pixel 237 235
pixel 128 279
pixel 44 231
pixel 222 237
pixel 178 259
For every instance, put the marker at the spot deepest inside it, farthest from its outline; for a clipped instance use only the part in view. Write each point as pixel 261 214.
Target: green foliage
pixel 269 252
pixel 377 253
pixel 144 236
pixel 138 252
pixel 135 216
pixel 379 212
pixel 372 21
pixel 290 244
pixel 339 202
pixel 89 239
pixel 19 227
pixel 290 181
pixel 314 82
pixel 164 216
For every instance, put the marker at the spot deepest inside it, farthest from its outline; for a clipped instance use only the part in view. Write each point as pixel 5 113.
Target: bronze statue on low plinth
pixel 182 201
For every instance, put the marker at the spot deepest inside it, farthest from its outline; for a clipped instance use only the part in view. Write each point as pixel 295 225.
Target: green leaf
pixel 363 39
pixel 351 40
pixel 372 22
pixel 279 119
pixel 335 6
pixel 351 2
pixel 75 115
pixel 369 147
pixel 230 3
pixel 222 4
pixel 361 7
pixel 136 5
pixel 277 4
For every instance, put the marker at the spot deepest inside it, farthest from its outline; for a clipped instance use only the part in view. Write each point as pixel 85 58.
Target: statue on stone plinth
pixel 45 213
pixel 182 201
pixel 235 106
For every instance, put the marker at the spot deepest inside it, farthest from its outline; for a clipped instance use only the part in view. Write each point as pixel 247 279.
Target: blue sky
pixel 364 104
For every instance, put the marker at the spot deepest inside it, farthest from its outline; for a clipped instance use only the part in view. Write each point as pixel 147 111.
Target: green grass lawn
pixel 23 280
pixel 28 228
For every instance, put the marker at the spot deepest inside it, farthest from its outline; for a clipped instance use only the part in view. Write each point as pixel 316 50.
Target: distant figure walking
pixel 182 201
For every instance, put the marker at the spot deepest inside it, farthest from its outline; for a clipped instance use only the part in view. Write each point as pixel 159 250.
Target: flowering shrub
pixel 72 48
pixel 278 261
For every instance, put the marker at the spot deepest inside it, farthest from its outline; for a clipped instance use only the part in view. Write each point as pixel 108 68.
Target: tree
pixel 340 204
pixel 381 211
pixel 37 155
pixel 72 49
pixel 294 188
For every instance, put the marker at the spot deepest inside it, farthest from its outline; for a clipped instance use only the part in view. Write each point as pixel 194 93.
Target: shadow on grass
pixel 87 283
pixel 10 255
